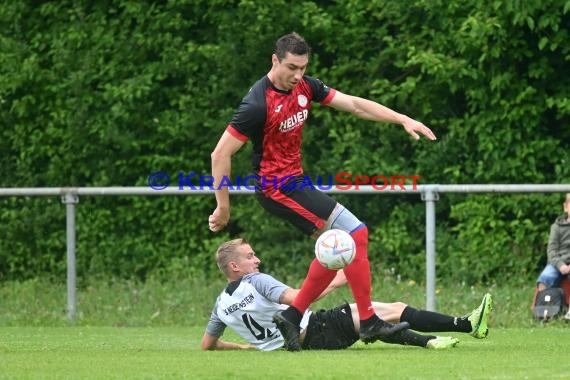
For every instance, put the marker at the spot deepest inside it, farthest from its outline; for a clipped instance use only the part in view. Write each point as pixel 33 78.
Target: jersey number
pixel 259 333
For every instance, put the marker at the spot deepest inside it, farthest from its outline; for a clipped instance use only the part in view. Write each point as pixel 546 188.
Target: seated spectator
pixel 558 251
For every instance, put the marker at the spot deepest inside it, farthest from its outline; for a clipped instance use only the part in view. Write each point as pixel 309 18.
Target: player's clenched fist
pixel 219 219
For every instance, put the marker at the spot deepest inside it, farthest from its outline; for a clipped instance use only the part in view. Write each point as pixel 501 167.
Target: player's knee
pixel 399 307
pixel 360 235
pixel 343 219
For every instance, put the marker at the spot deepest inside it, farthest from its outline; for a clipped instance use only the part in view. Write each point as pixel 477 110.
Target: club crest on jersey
pixel 302 99
pixel 294 121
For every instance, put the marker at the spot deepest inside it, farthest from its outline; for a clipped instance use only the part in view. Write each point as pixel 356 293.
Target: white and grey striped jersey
pixel 247 307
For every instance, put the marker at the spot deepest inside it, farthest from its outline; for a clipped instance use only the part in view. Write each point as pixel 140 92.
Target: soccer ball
pixel 335 249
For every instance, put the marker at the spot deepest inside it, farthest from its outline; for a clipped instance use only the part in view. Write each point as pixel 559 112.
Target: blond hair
pixel 228 252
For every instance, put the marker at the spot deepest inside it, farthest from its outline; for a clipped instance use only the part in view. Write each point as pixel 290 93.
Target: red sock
pixel 317 280
pixel 358 275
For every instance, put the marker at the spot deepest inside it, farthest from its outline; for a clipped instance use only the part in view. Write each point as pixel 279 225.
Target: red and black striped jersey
pixel 273 120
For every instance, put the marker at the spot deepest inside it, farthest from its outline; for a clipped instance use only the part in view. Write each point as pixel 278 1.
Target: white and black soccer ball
pixel 335 249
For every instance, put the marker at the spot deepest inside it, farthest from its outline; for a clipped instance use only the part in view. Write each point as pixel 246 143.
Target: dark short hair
pixel 291 43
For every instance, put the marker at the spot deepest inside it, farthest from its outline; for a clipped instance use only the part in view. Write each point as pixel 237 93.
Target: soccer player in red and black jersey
pixel 272 115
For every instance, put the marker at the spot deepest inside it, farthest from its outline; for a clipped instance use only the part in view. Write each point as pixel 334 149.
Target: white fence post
pixel 430 197
pixel 71 199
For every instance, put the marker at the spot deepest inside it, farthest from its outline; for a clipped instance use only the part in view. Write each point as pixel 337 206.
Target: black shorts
pixel 330 330
pixel 306 208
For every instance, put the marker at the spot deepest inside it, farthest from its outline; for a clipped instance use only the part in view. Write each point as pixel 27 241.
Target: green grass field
pixel 173 353
pixel 152 330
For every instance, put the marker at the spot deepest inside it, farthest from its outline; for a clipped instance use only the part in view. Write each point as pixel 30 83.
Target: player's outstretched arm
pixel 288 296
pixel 338 281
pixel 210 342
pixel 370 110
pixel 221 168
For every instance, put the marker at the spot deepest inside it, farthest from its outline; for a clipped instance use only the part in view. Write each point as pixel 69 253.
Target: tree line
pixel 104 93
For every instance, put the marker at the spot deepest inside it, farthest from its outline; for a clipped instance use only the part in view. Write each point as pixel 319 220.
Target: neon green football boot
pixel 442 342
pixel 479 317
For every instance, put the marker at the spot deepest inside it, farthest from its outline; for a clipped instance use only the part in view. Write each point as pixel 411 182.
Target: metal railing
pixel 429 194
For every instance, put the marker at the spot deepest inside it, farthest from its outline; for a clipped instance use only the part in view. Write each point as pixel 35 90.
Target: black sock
pixel 409 338
pixel 293 315
pixel 423 320
pixel 366 323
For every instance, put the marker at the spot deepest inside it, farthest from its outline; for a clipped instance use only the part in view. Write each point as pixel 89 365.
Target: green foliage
pixel 103 94
pixel 495 240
